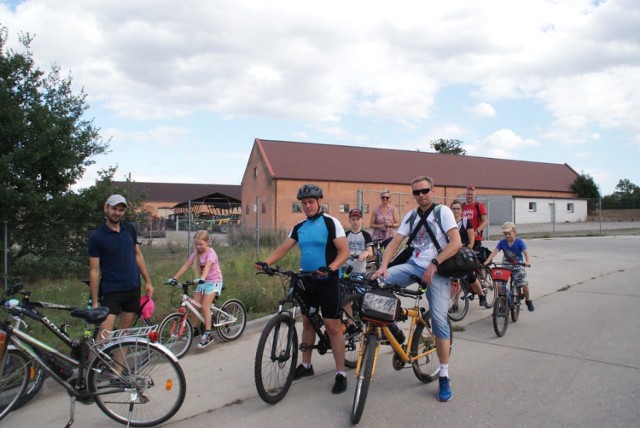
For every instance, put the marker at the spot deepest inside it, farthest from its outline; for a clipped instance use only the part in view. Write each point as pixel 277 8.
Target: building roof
pixel 179 192
pixel 328 162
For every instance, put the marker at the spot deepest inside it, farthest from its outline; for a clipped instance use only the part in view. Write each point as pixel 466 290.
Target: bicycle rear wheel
pixel 13 379
pixel 458 301
pixel 501 315
pixel 352 338
pixel 37 376
pixel 235 310
pixel 276 358
pixel 176 333
pixel 137 382
pixel 427 367
pixel 488 286
pixel 364 377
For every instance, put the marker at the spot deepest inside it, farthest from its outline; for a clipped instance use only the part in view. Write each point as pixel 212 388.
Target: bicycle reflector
pixel 153 336
pixel 168 385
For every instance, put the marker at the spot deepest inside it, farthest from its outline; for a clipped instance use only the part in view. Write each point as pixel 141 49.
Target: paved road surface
pixel 571 363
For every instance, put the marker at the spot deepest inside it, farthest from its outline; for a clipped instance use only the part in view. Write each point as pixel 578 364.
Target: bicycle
pixel 277 351
pixel 461 293
pixel 133 380
pixel 509 297
pixel 419 351
pixel 176 331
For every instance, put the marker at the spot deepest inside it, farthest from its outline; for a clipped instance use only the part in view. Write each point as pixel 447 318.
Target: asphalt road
pixel 571 363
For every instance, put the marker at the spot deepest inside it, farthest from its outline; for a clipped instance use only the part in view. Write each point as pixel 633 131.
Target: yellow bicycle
pixel 419 351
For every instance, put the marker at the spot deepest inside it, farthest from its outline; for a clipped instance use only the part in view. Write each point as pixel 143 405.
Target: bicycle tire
pixel 488 285
pixel 458 303
pixel 364 377
pixel 13 379
pixel 427 368
pixel 351 343
pixel 176 333
pixel 37 376
pixel 232 331
pixel 276 358
pixel 501 315
pixel 150 376
pixel 515 310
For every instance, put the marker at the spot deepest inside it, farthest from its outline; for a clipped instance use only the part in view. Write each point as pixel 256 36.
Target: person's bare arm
pixel 94 280
pixel 142 267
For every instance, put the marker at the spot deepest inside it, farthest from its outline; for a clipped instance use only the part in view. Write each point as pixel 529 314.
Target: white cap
pixel 115 200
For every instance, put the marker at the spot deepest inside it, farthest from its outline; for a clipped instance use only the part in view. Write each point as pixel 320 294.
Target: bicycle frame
pixel 189 303
pixel 415 314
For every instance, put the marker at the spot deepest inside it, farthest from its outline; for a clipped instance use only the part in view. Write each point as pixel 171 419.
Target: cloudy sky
pixel 182 88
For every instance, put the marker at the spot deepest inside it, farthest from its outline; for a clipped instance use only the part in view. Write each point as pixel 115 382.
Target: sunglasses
pixel 385 197
pixel 423 191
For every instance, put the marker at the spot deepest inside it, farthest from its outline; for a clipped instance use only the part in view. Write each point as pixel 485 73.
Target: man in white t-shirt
pixel 424 262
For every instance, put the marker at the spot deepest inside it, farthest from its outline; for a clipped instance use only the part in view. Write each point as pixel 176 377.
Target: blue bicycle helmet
pixel 309 191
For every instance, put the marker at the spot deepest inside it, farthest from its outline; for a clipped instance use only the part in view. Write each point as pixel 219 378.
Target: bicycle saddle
pixel 92 316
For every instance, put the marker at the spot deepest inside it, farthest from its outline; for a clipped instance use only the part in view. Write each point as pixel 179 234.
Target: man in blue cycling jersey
pixel 323 248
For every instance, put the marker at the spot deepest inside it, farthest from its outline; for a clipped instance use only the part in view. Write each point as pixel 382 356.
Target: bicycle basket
pixel 501 274
pixel 381 307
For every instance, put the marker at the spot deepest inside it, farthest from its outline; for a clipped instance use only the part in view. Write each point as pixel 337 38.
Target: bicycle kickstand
pixel 72 411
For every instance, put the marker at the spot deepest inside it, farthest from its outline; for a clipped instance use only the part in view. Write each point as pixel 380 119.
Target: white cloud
pixel 483 110
pixel 503 143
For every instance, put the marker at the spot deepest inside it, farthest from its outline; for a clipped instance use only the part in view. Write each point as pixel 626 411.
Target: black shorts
pixel 123 301
pixel 324 294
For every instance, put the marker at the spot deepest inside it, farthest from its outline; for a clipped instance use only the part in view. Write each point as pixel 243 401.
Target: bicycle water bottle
pixel 315 317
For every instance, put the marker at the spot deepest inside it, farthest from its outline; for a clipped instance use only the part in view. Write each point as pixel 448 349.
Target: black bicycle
pixel 277 352
pixel 133 380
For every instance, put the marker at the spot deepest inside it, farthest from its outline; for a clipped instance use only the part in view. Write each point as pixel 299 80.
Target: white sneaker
pixel 205 340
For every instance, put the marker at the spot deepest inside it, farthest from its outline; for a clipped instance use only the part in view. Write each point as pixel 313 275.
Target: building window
pixel 264 208
pixel 570 207
pixel 255 172
pixel 344 208
pixel 247 210
pixel 325 208
pixel 296 207
pixel 532 207
pixel 365 209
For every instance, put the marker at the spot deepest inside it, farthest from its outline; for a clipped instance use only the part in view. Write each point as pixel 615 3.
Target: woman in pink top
pixel 384 220
pixel 209 280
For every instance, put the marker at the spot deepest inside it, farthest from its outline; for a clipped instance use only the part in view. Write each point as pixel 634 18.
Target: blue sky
pixel 182 89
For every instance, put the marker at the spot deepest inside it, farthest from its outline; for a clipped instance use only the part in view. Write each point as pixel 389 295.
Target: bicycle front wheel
pixel 501 315
pixel 13 379
pixel 427 367
pixel 488 286
pixel 176 333
pixel 137 382
pixel 458 302
pixel 234 320
pixel 276 358
pixel 364 377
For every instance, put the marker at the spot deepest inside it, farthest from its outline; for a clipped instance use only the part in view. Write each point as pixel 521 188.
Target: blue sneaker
pixel 444 394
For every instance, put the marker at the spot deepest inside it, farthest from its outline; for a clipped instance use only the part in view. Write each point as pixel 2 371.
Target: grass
pixel 259 293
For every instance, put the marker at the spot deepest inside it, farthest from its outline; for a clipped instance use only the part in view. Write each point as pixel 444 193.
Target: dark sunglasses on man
pixel 423 191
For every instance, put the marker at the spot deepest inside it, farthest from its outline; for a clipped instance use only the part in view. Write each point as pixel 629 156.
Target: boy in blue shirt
pixel 514 251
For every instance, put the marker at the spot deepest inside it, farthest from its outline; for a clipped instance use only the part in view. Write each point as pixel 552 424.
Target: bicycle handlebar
pixel 507 265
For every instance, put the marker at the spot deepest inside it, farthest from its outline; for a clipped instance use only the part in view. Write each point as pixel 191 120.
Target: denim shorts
pixel 210 288
pixel 438 294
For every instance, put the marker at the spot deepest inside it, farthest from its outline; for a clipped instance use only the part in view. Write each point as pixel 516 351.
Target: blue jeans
pixel 438 294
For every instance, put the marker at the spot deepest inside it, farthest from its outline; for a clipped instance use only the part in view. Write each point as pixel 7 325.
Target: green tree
pixel 47 143
pixel 627 194
pixel 452 147
pixel 585 187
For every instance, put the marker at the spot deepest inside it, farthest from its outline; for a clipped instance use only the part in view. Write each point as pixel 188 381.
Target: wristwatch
pixel 435 262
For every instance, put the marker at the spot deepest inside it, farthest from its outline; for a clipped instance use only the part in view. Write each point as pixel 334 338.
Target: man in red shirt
pixel 476 212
